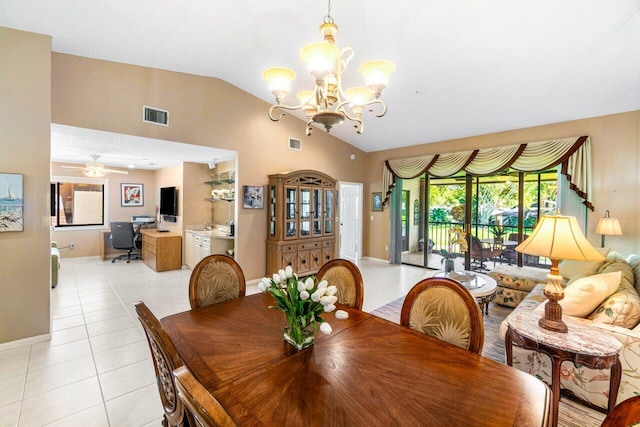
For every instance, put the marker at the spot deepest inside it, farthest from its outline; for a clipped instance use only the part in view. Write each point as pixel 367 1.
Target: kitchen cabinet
pixel 199 244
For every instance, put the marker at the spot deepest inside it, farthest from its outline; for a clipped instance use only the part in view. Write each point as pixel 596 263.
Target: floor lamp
pixel 557 237
pixel 608 226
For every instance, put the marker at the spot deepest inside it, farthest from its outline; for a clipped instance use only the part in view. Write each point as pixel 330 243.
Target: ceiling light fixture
pixel 329 104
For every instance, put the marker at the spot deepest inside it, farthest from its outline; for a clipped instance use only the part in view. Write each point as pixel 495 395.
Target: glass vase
pixel 449 266
pixel 298 336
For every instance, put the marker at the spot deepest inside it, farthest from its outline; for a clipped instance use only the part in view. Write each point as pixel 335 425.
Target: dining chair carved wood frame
pixel 165 360
pixel 476 325
pixel 626 413
pixel 346 276
pixel 202 408
pixel 216 278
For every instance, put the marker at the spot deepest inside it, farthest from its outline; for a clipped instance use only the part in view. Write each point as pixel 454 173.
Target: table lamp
pixel 608 226
pixel 557 237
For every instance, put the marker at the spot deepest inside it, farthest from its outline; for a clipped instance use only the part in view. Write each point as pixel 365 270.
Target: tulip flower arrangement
pixel 302 303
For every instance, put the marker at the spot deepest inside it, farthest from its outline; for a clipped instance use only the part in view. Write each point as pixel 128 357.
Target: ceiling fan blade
pixel 72 167
pixel 114 171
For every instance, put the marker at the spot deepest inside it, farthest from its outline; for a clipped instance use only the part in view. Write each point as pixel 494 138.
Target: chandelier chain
pixel 328 19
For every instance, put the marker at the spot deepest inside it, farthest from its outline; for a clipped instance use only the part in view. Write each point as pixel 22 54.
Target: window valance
pixel 573 153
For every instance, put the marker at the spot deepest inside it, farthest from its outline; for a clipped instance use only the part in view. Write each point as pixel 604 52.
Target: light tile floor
pixel 96 370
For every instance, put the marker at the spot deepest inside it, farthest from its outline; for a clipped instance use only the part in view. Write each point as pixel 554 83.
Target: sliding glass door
pixel 503 210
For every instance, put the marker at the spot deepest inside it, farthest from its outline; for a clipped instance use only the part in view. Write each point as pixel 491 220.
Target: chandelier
pixel 328 104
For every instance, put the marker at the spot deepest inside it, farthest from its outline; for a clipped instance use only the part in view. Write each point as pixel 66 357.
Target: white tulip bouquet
pixel 302 303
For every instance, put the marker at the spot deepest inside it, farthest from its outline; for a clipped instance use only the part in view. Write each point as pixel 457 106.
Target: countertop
pixel 214 233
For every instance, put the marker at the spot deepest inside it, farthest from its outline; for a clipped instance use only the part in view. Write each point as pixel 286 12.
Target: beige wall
pixel 615 143
pixel 109 96
pixel 25 116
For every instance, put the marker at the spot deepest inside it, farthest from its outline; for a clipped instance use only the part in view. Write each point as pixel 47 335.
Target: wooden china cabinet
pixel 302 221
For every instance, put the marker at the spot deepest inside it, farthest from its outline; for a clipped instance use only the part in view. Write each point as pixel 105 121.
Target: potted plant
pixel 457 238
pixel 498 231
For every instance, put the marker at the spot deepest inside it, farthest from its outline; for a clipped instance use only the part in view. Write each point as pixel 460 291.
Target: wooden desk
pixel 105 235
pixel 161 251
pixel 367 372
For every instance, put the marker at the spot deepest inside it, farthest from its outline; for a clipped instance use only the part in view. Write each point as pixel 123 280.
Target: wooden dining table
pixel 368 371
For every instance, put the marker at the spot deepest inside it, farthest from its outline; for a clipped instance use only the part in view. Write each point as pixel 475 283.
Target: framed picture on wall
pixel 376 202
pixel 11 202
pixel 253 197
pixel 131 195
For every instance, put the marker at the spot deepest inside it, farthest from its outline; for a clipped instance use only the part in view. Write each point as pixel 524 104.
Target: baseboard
pixel 25 341
pixel 368 258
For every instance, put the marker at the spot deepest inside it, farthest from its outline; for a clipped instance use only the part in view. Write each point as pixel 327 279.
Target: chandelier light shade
pixel 328 103
pixel 608 226
pixel 557 237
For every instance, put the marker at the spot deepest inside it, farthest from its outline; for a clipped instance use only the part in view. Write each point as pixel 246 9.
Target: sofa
pixel 618 315
pixel 55 264
pixel 515 283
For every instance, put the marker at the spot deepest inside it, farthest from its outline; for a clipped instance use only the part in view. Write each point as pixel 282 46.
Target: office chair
pixel 124 238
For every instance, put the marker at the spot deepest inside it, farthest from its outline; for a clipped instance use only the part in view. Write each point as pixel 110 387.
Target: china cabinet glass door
pixel 272 211
pixel 328 213
pixel 317 212
pixel 291 213
pixel 305 212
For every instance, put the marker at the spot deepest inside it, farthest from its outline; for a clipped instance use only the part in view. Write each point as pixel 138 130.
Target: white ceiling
pixel 464 67
pixel 77 145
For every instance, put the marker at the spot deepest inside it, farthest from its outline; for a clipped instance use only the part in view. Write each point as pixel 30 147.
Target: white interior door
pixel 350 197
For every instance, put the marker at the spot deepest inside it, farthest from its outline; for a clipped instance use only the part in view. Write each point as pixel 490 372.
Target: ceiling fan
pixel 94 169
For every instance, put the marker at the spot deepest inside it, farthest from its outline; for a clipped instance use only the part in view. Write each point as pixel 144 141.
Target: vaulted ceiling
pixel 464 67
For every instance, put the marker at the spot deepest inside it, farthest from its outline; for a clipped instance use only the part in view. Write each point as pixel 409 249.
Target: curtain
pixel 574 153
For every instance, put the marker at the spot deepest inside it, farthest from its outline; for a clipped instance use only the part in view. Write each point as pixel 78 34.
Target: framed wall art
pixel 376 202
pixel 131 195
pixel 253 197
pixel 11 202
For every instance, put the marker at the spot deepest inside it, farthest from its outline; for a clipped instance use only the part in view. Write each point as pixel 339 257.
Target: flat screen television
pixel 169 201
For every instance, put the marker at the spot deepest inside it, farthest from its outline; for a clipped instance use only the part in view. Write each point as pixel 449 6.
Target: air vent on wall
pixel 295 144
pixel 155 116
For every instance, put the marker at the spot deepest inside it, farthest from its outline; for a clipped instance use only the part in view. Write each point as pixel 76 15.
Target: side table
pixel 582 345
pixel 482 287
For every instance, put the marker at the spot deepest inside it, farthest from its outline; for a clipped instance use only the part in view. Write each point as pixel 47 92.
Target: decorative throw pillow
pixel 634 261
pixel 585 295
pixel 569 268
pixel 620 309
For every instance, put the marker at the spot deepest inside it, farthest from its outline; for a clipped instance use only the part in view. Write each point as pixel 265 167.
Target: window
pixel 78 202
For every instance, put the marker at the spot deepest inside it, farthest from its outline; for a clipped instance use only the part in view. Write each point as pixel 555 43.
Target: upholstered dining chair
pixel 624 414
pixel 345 275
pixel 216 278
pixel 202 408
pixel 444 309
pixel 165 360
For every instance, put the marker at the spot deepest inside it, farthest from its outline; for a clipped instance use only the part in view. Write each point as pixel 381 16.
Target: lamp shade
pixel 376 74
pixel 320 58
pixel 279 80
pixel 559 237
pixel 358 96
pixel 609 227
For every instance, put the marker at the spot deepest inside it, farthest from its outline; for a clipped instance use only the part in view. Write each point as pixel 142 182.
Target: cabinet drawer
pixel 149 244
pixel 307 246
pixel 289 248
pixel 149 258
pixel 327 243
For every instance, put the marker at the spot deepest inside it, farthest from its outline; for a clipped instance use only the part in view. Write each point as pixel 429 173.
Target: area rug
pixel 571 414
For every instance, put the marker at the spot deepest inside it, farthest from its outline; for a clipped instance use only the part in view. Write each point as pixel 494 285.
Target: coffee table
pixel 482 287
